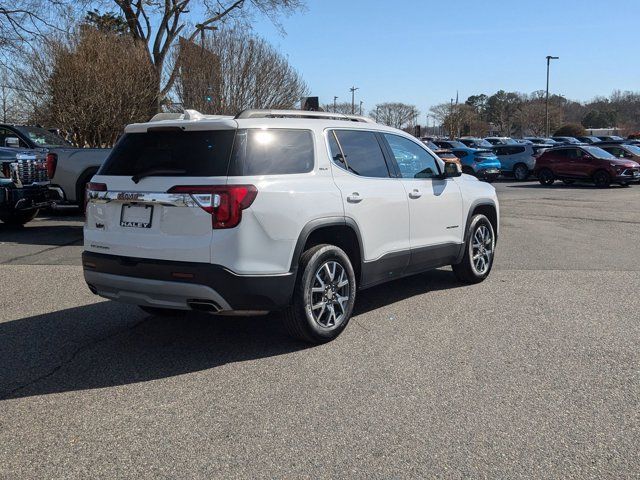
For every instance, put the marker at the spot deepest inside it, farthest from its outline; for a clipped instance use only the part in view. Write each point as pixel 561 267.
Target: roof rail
pixel 166 116
pixel 301 114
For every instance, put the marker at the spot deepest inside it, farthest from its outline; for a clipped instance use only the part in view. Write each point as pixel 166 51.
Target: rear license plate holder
pixel 136 216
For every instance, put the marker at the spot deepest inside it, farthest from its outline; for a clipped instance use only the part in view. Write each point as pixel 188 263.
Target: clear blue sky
pixel 421 51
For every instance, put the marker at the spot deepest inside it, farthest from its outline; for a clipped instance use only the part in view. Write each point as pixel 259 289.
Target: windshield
pixel 481 143
pixel 599 153
pixel 42 137
pixel 633 149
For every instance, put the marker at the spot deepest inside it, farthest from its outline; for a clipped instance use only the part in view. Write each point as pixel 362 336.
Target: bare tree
pixel 94 85
pixel 340 107
pixel 159 25
pixel 233 71
pixel 395 114
pixel 459 119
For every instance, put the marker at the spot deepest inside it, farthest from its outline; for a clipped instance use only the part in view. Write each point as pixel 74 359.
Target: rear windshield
pixel 171 153
pixel 485 154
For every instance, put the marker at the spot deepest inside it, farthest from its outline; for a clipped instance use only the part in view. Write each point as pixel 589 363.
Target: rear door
pixel 151 197
pixel 374 199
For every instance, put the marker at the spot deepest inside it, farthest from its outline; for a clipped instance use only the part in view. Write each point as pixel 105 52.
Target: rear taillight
pixel 224 203
pixel 51 162
pixel 93 187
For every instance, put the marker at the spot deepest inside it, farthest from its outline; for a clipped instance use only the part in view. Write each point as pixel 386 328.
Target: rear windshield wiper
pixel 156 171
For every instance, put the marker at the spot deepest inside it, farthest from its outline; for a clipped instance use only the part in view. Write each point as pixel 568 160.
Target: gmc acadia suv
pixel 275 210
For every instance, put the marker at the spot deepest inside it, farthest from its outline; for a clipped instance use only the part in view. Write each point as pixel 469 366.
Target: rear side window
pixel 362 153
pixel 171 152
pixel 272 152
pixel 501 150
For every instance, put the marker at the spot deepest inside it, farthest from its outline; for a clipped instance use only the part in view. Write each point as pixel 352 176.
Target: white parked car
pixel 276 210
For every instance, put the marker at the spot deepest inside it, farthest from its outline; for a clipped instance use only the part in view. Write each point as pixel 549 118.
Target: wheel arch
pixel 339 231
pixel 83 178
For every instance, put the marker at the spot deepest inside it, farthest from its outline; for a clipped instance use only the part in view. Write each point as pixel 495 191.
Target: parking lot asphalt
pixel 534 373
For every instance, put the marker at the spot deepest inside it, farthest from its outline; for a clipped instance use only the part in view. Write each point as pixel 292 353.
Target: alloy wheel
pixel 481 249
pixel 521 172
pixel 330 292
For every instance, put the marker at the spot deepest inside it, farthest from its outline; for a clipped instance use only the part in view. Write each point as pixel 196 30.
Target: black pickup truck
pixel 24 185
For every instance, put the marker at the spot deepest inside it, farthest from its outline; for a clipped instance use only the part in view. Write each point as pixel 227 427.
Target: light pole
pixel 361 102
pixel 334 103
pixel 353 99
pixel 546 105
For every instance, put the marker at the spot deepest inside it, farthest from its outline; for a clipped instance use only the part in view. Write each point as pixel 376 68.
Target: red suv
pixel 584 162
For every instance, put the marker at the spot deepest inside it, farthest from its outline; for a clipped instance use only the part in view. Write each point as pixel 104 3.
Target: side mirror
pixel 452 169
pixel 12 142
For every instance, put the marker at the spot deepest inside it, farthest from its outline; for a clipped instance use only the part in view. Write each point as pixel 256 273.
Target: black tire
pixel 546 177
pixel 466 271
pixel 17 219
pixel 299 319
pixel 162 312
pixel 520 172
pixel 602 179
pixel 468 171
pixel 568 182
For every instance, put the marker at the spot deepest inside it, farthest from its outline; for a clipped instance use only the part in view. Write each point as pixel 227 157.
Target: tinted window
pixel 176 152
pixel 413 161
pixel 272 152
pixel 515 150
pixel 363 155
pixel 501 150
pixel 460 153
pixel 42 137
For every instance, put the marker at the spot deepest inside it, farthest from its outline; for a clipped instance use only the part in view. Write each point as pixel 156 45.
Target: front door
pixel 435 204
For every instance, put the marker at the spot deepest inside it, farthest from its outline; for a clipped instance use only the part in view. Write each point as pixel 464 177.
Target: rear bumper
pixel 170 284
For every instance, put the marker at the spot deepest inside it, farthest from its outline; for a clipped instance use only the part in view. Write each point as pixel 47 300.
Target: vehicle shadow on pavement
pixel 562 186
pixel 399 290
pixel 109 344
pixel 34 234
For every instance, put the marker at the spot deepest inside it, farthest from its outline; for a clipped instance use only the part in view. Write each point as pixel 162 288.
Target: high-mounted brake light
pixel 51 162
pixel 224 203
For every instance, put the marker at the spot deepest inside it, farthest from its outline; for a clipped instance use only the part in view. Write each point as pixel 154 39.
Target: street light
pixel 353 99
pixel 546 107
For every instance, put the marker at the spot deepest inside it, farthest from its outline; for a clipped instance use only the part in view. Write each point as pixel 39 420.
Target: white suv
pixel 275 210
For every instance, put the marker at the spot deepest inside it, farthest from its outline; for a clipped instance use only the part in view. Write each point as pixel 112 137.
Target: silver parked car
pixel 517 160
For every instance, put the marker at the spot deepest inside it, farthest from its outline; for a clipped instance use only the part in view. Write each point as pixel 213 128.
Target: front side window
pixel 413 161
pixel 359 152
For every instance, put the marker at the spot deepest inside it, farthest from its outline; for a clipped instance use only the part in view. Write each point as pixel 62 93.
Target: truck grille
pixel 29 170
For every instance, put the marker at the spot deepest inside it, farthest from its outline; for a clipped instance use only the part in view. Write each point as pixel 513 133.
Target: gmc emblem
pixel 129 196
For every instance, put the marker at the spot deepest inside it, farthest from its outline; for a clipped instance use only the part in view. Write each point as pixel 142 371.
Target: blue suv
pixel 482 163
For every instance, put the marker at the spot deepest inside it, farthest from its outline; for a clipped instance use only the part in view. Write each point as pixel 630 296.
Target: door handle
pixel 354 198
pixel 415 193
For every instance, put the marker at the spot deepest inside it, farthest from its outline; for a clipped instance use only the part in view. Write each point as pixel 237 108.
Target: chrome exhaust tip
pixel 207 306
